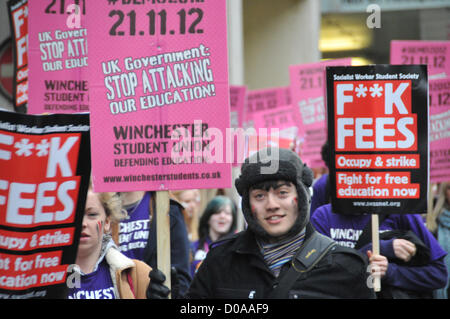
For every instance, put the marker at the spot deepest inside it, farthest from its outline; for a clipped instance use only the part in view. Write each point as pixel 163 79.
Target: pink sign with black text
pixel 264 99
pixel 281 124
pixel 58 56
pixel 435 54
pixel 159 92
pixel 308 94
pixel 439 130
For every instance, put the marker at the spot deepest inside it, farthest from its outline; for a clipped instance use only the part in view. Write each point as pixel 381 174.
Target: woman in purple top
pixel 101 271
pixel 217 221
pixel 136 235
pixel 421 279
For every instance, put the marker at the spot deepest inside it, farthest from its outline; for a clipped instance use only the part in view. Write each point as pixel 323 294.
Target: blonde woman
pixel 104 271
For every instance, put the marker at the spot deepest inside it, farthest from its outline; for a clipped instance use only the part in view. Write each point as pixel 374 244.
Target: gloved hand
pixel 156 288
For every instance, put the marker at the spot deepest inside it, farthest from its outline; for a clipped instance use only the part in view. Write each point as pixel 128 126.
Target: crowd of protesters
pixel 291 245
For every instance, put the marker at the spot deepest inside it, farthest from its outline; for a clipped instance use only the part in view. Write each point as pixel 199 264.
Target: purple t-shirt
pixel 96 285
pixel 346 229
pixel 134 230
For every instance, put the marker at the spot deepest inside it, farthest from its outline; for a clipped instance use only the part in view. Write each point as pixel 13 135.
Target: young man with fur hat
pixel 279 255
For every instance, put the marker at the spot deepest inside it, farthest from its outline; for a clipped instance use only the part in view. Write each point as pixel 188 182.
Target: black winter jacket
pixel 234 268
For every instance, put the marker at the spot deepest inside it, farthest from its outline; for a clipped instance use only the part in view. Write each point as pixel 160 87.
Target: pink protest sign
pixel 440 130
pixel 18 17
pixel 284 118
pixel 308 94
pixel 435 54
pixel 160 95
pixel 274 127
pixel 58 57
pixel 264 99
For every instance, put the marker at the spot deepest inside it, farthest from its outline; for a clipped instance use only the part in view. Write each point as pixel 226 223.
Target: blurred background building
pixel 267 36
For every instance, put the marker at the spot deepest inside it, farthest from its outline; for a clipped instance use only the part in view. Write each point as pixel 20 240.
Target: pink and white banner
pixel 435 54
pixel 158 75
pixel 58 57
pixel 284 118
pixel 308 95
pixel 439 130
pixel 281 124
pixel 264 99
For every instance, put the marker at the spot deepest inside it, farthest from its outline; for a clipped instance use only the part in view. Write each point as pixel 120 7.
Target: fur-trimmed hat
pixel 272 164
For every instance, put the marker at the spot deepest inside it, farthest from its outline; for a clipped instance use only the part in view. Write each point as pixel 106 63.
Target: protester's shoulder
pixel 224 245
pixel 176 211
pixel 321 181
pixel 324 209
pixel 175 205
pixel 321 212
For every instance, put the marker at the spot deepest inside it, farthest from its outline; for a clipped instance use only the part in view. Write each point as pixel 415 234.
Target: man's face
pixel 275 209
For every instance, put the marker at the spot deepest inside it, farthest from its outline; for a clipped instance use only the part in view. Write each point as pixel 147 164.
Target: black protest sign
pixel 378 137
pixel 44 176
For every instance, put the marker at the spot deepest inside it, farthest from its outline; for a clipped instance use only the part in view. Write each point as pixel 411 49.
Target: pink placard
pixel 58 57
pixel 435 54
pixel 160 95
pixel 264 99
pixel 18 17
pixel 439 130
pixel 284 118
pixel 308 94
pixel 238 95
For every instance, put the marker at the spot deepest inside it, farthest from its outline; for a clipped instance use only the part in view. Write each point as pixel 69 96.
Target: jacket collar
pixel 118 261
pixel 247 244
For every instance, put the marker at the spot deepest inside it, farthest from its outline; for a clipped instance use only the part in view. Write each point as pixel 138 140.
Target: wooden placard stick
pixel 163 234
pixel 430 198
pixel 376 249
pixel 430 218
